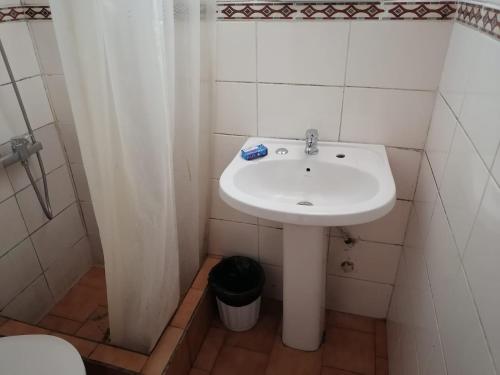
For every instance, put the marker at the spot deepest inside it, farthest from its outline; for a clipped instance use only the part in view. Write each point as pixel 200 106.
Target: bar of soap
pixel 254 152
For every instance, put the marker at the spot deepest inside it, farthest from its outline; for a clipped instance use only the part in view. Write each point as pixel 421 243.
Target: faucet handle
pixel 312 133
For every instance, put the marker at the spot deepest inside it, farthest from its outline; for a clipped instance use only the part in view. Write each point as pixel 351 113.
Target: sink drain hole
pixel 305 203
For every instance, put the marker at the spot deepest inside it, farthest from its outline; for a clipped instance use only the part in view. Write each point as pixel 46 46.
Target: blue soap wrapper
pixel 254 152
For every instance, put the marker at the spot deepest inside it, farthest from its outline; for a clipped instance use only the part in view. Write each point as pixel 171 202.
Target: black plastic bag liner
pixel 237 281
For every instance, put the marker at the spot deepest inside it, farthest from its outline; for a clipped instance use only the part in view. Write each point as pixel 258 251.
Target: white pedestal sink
pixel 344 184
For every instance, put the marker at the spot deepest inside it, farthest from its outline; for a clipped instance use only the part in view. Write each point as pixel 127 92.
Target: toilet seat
pixel 40 355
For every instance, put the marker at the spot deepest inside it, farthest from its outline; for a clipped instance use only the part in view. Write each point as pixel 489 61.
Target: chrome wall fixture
pixel 23 147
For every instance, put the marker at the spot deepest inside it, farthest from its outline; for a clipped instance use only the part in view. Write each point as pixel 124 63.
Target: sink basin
pixel 343 184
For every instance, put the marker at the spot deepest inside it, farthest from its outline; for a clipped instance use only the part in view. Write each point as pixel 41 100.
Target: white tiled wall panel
pixel 397 118
pixel 224 149
pixel 230 238
pixel 46 44
pixel 397 54
pixel 236 111
pixel 287 111
pixel 221 210
pixel 302 52
pixel 59 99
pixel 236 51
pixel 404 165
pixel 12 224
pixel 10 114
pixel 35 101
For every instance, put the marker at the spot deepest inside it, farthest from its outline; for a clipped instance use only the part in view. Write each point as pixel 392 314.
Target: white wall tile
pixel 36 102
pixel 302 52
pixel 68 269
pixel 495 170
pixel 397 54
pixel 481 261
pixel 4 75
pixel 236 110
pixel 81 184
pixel 288 111
pixel 273 288
pixel 404 165
pixel 372 261
pixel 59 98
pixel 271 246
pixel 5 187
pixel 46 44
pixel 357 296
pixel 32 304
pixel 17 42
pixel 480 114
pixel 221 210
pixel 464 180
pixel 10 115
pixel 61 196
pixel 224 149
pixel 230 238
pixel 52 156
pixel 391 117
pixel 236 51
pixel 18 268
pixel 58 235
pixel 89 218
pixel 461 52
pixel 388 229
pixel 440 137
pixel 70 142
pixel 12 224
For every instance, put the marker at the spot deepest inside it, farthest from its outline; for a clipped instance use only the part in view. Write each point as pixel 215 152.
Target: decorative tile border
pixel 27 12
pixel 480 17
pixel 334 10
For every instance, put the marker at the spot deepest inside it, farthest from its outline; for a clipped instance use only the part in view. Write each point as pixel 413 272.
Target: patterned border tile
pixel 26 12
pixel 480 17
pixel 336 10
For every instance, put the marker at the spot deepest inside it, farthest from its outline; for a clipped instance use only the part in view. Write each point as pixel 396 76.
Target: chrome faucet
pixel 312 137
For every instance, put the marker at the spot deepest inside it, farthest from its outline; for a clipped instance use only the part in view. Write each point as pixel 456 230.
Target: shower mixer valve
pixel 22 149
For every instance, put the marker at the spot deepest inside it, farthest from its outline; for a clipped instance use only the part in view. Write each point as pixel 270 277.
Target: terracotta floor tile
pixel 350 350
pixel 382 366
pixel 288 361
pixel 97 326
pixel 84 347
pixel 58 324
pixel 195 371
pixel 260 338
pixel 380 339
pixel 3 320
pixel 180 363
pixel 78 304
pixel 94 278
pixel 334 371
pixel 119 357
pixel 13 328
pixel 158 360
pixel 201 280
pixel 210 349
pixel 186 309
pixel 237 361
pixel 350 321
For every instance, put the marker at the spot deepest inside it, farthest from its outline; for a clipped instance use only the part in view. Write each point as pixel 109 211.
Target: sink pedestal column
pixel 304 278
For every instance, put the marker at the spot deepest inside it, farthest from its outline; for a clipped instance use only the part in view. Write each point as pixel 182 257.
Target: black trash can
pixel 237 283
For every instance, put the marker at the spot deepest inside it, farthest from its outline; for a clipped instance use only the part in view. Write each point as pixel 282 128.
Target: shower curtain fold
pixel 122 71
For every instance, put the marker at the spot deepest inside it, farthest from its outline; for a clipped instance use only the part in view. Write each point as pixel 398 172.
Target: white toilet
pixel 39 354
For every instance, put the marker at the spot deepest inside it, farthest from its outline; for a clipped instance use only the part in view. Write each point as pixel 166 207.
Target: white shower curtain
pixel 119 60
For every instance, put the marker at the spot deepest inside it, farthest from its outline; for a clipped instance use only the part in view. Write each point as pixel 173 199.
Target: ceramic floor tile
pixel 94 278
pixel 119 357
pixel 380 339
pixel 78 304
pixel 13 328
pixel 84 347
pixel 195 371
pixel 58 324
pixel 237 361
pixel 179 364
pixel 97 326
pixel 210 349
pixel 334 371
pixel 382 367
pixel 350 350
pixel 158 360
pixel 186 309
pixel 260 338
pixel 350 321
pixel 288 361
